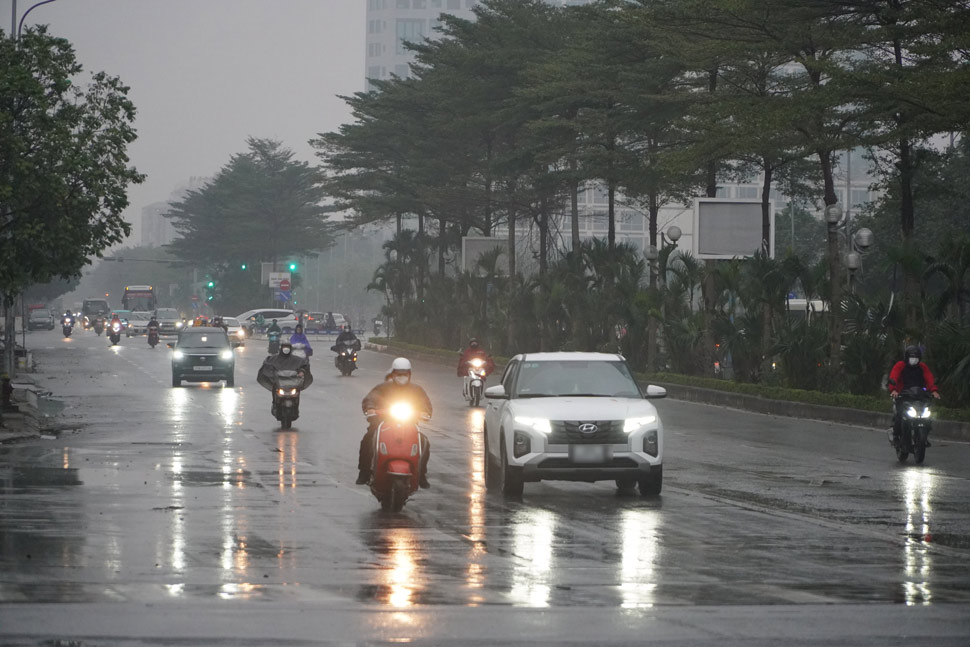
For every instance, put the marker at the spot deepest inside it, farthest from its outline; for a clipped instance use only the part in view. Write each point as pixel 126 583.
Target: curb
pixel 943 429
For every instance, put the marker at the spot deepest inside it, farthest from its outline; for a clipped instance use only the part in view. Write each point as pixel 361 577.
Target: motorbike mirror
pixel 496 392
pixel 655 392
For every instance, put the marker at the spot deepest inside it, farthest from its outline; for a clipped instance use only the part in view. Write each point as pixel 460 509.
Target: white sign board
pixel 725 228
pixel 275 278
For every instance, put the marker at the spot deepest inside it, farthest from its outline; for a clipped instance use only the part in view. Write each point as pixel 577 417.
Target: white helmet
pixel 400 365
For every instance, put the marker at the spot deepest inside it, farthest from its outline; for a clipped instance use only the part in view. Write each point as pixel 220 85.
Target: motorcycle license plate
pixel 202 368
pixel 590 453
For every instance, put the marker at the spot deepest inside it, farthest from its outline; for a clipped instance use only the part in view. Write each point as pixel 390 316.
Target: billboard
pixel 729 228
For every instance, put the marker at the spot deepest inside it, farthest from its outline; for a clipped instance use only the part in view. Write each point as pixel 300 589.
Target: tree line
pixel 505 118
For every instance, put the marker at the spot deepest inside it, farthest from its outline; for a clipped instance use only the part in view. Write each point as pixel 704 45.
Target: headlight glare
pixel 912 413
pixel 402 411
pixel 632 424
pixel 541 425
pixel 926 413
pixel 178 355
pixel 226 355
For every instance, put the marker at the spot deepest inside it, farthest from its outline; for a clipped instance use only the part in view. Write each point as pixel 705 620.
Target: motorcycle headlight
pixel 177 355
pixel 225 355
pixel 632 424
pixel 281 392
pixel 912 412
pixel 542 425
pixel 477 363
pixel 402 411
pixel 925 413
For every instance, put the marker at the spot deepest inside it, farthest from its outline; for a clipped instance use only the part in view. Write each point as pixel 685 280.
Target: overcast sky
pixel 206 74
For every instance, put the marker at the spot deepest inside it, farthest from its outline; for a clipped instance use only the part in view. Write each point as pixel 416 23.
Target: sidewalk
pixel 27 423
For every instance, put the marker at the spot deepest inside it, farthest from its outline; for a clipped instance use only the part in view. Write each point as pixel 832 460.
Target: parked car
pixel 572 417
pixel 40 319
pixel 203 354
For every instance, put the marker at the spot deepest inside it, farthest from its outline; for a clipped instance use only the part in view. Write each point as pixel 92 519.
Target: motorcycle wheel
pixel 286 423
pixel 919 451
pixel 901 454
pixel 476 398
pixel 397 496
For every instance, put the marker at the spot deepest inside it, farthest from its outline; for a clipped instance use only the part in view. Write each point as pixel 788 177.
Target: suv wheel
pixel 176 380
pixel 512 484
pixel 652 483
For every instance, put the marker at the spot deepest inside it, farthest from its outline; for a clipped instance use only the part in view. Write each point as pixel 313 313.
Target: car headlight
pixel 177 355
pixel 226 355
pixel 240 333
pixel 632 424
pixel 542 425
pixel 178 324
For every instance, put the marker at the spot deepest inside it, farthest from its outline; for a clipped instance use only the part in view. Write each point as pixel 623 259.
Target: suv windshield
pixel 40 314
pixel 202 340
pixel 548 379
pixel 166 313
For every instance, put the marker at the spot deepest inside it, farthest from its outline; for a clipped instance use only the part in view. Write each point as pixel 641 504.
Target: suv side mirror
pixel 170 345
pixel 655 392
pixel 496 392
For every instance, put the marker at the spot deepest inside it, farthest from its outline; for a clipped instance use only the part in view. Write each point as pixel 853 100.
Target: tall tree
pixel 64 168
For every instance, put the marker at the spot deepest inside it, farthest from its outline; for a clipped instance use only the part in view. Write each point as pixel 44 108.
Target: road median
pixel 943 429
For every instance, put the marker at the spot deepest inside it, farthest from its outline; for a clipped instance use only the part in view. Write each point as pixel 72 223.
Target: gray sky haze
pixel 206 74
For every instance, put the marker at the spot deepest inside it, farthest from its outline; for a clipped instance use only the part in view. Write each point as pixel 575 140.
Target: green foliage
pixel 64 167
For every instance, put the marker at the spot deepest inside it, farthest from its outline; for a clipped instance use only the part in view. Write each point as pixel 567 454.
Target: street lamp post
pixel 17 27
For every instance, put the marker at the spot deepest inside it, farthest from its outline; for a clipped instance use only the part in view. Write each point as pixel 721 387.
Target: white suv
pixel 572 417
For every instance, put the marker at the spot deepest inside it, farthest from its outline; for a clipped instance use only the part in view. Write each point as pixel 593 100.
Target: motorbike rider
pixel 68 318
pixel 115 319
pixel 346 338
pixel 905 374
pixel 472 351
pixel 397 385
pixel 274 327
pixel 153 325
pixel 285 360
pixel 299 338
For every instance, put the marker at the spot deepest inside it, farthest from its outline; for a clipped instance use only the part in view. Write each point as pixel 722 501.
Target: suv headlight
pixel 178 355
pixel 632 424
pixel 225 355
pixel 542 425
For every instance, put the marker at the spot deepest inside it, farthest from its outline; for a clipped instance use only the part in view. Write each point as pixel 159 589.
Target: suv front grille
pixel 608 432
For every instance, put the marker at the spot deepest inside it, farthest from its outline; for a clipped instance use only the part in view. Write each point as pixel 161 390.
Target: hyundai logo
pixel 588 428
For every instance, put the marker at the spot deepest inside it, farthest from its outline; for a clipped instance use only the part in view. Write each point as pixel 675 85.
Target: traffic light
pixel 293 267
pixel 243 266
pixel 210 290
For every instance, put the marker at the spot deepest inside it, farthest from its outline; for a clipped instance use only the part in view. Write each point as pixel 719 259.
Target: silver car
pixel 572 417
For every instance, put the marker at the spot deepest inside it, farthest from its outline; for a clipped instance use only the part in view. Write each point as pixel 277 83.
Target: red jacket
pixel 896 378
pixel 468 355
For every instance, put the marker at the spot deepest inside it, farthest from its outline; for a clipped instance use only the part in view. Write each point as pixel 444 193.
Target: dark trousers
pixel 365 459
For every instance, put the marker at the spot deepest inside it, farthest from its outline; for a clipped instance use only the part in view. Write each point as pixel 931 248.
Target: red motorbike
pixel 397 456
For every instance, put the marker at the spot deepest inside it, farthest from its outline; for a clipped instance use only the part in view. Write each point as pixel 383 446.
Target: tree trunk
pixel 442 242
pixel 835 266
pixel 543 223
pixel 10 335
pixel 652 323
pixel 574 208
pixel 708 356
pixel 611 213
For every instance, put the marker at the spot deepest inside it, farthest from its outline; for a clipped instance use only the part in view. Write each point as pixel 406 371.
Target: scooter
pixel 346 359
pixel 98 326
pixel 67 326
pixel 397 456
pixel 286 397
pixel 114 333
pixel 274 343
pixel 153 337
pixel 912 405
pixel 474 382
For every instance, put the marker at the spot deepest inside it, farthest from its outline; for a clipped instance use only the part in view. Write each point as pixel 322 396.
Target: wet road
pixel 186 513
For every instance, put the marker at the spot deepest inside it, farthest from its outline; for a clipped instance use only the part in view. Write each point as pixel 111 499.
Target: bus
pixel 139 298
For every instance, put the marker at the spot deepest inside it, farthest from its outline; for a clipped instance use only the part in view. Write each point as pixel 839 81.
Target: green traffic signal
pixel 210 284
pixel 292 267
pixel 243 266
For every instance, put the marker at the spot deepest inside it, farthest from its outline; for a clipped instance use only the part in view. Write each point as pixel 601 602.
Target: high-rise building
pixel 156 229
